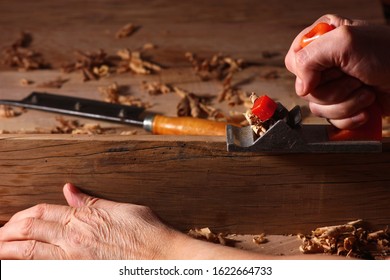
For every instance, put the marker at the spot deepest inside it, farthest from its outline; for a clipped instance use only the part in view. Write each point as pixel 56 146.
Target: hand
pixel 89 228
pixel 344 71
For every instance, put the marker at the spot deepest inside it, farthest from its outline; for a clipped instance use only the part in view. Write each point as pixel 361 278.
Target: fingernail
pixel 299 86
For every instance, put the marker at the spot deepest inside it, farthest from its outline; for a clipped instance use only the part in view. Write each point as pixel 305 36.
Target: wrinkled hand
pixel 344 71
pixel 89 228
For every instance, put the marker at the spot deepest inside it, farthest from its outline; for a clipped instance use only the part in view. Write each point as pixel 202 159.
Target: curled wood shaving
pixel 132 61
pixel 351 240
pixel 156 88
pixel 56 83
pixel 20 55
pixel 207 235
pixel 192 105
pixel 232 95
pixel 114 93
pixel 260 239
pixel 25 82
pixel 149 46
pixel 9 112
pixel 217 67
pixel 92 65
pixel 126 31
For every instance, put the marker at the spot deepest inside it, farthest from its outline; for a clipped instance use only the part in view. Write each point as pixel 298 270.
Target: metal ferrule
pixel 148 122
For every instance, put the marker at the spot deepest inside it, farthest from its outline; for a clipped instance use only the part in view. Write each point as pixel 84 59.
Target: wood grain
pixel 193 182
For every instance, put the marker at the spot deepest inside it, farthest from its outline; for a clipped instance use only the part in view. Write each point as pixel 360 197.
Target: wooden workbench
pixel 189 181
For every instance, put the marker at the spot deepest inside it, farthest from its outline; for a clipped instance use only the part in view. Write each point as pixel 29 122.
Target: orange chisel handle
pixel 372 129
pixel 158 124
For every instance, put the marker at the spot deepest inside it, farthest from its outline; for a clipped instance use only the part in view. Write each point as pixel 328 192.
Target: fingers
pixel 32 229
pixel 351 122
pixel 335 91
pixel 30 250
pixel 48 212
pixel 347 114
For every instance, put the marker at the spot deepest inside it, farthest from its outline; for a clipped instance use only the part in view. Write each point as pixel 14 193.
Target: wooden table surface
pixel 241 29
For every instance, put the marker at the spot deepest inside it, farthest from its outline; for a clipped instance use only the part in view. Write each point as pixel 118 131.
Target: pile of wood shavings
pixel 217 67
pixel 351 240
pixel 20 55
pixel 93 65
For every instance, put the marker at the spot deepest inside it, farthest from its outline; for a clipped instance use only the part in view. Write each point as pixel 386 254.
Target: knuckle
pixel 40 209
pixel 28 250
pixel 27 227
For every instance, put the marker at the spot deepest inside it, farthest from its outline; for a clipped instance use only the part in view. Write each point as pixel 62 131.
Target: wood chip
pixel 126 31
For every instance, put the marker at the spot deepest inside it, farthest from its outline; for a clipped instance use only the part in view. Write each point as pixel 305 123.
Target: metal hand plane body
pixel 287 137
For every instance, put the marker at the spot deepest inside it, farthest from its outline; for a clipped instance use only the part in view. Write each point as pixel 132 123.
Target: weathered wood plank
pixel 194 182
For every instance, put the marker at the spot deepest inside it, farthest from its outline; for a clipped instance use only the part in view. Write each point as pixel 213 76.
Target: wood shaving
pixel 126 31
pixel 231 94
pixel 207 235
pixel 156 88
pixel 258 127
pixel 25 82
pixel 217 67
pixel 352 240
pixel 192 105
pixel 21 56
pixel 56 83
pixel 9 112
pixel 119 95
pixel 92 65
pixel 260 239
pixel 66 126
pixel 132 61
pixel 149 46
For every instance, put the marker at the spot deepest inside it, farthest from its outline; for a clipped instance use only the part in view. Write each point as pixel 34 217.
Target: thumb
pixel 76 198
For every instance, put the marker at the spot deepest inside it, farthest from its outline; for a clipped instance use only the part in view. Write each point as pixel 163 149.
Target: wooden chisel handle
pixel 158 124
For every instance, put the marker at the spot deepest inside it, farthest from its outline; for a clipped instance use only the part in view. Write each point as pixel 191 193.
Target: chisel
pixel 133 115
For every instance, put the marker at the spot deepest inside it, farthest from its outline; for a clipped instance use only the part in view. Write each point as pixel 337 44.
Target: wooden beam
pixel 194 182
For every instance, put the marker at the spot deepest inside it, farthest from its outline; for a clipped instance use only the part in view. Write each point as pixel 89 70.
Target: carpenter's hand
pixel 89 228
pixel 343 71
